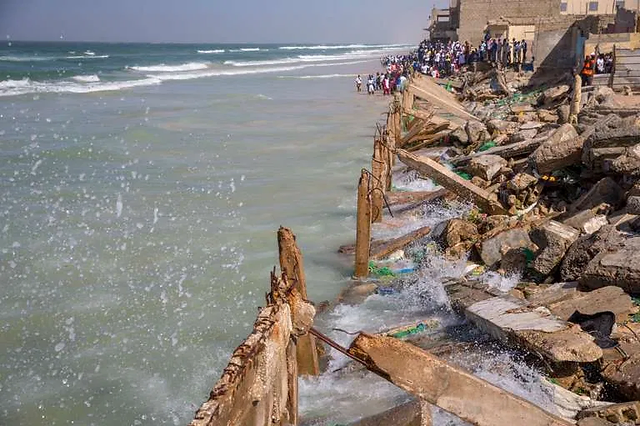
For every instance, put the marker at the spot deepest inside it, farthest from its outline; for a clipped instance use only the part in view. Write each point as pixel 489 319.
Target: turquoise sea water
pixel 141 187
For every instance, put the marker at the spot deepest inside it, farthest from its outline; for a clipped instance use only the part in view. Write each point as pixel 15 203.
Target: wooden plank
pixel 389 247
pixel 443 385
pixel 454 183
pixel 292 265
pixel 363 227
pixel 505 151
pixel 428 140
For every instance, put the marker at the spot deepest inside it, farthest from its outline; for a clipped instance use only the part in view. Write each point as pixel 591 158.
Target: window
pixel 593 6
pixel 563 7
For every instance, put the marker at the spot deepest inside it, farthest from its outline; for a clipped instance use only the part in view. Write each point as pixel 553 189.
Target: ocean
pixel 142 186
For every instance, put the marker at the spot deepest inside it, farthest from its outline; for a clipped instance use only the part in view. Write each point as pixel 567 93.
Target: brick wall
pixel 474 14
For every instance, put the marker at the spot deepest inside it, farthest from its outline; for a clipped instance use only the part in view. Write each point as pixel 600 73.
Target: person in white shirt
pixel 358 83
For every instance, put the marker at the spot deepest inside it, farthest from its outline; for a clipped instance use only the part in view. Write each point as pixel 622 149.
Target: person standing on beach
pixel 386 90
pixel 358 83
pixel 370 85
pixel 523 47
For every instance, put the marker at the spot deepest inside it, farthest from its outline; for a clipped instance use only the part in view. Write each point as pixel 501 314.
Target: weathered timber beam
pixel 452 389
pixel 454 183
pixel 448 105
pixel 505 151
pixel 396 244
pixel 292 265
pixel 415 130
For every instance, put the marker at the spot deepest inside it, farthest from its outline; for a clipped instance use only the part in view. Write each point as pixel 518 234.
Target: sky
pixel 215 21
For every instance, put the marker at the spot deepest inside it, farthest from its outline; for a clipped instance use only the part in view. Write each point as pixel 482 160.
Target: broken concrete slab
pixel 562 149
pixel 626 164
pixel 457 231
pixel 553 94
pixel 521 181
pixel 605 191
pixel 554 239
pixel 619 267
pixel 612 299
pixel 523 135
pixel 476 131
pixel 625 412
pixel 486 166
pixel 492 249
pixel 438 383
pixel 586 248
pixel 509 319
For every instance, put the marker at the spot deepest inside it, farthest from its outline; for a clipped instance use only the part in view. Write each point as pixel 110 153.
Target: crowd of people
pixel 440 59
pixel 599 63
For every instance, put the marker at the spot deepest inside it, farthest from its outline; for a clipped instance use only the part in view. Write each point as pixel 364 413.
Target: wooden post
pixel 292 265
pixel 363 226
pixel 378 169
pixel 407 99
pixel 575 100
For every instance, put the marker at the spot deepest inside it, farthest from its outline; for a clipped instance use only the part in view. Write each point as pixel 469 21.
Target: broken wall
pixel 475 14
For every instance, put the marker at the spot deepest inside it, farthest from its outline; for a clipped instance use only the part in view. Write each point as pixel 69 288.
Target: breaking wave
pixel 26 86
pixel 212 51
pixel 87 78
pixel 191 66
pixel 25 58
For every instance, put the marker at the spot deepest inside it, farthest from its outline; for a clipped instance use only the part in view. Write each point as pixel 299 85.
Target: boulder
pixel 521 181
pixel 605 191
pixel 554 239
pixel 606 137
pixel 563 111
pixel 603 93
pixel 486 166
pixel 501 126
pixel 476 131
pixel 460 134
pixel 626 164
pixel 457 231
pixel 611 298
pixel 625 375
pixel 624 412
pixel 553 94
pixel 618 266
pixel 563 148
pixel 492 249
pixel 547 116
pixel 633 205
pixel 585 249
pixel 523 135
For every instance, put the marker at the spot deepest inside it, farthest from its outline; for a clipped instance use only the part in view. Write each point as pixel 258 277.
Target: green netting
pixel 486 146
pixel 464 175
pixel 380 272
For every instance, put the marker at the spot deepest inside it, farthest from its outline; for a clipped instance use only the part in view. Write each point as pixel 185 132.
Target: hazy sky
pixel 214 21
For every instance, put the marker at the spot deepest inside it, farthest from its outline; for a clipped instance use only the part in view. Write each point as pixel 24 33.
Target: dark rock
pixel 618 266
pixel 605 191
pixel 554 239
pixel 585 249
pixel 633 204
pixel 486 166
pixel 492 249
pixel 562 149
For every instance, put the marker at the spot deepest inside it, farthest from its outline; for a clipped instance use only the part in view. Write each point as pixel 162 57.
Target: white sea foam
pixel 25 58
pixel 87 78
pixel 344 46
pixel 249 49
pixel 86 56
pixel 302 58
pixel 191 66
pixel 311 77
pixel 25 86
pixel 232 72
pixel 212 51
